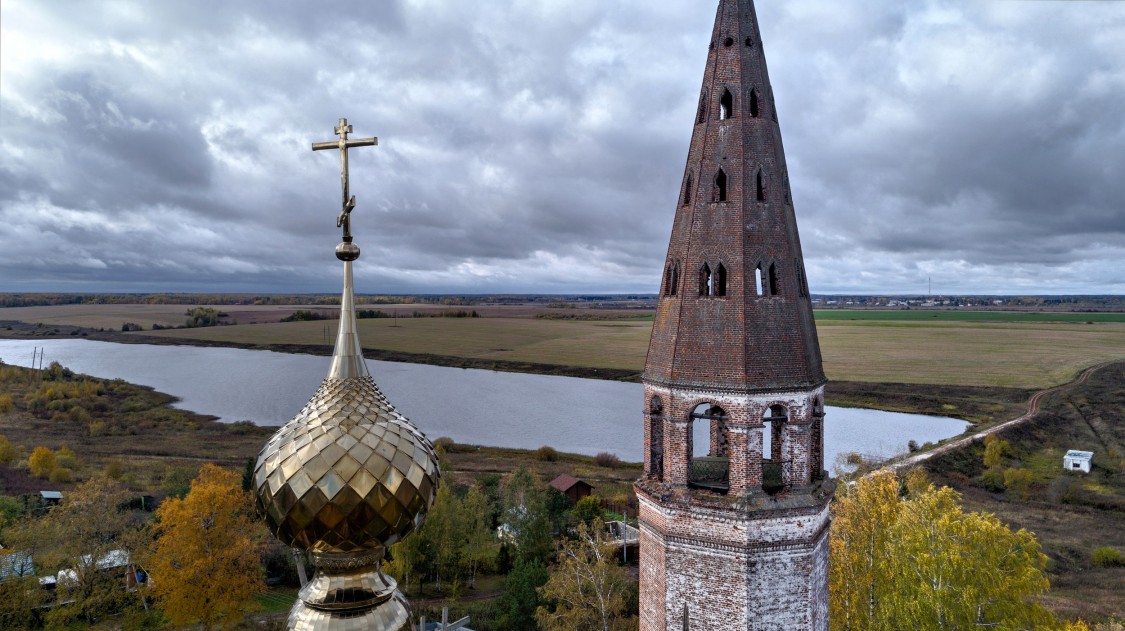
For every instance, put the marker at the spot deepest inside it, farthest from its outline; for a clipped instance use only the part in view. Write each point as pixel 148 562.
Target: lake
pixel 472 406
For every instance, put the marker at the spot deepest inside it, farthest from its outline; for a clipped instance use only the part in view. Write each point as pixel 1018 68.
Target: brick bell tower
pixel 734 500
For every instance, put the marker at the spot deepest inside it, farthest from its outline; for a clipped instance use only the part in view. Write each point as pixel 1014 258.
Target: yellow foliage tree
pixel 859 549
pixel 204 559
pixel 587 588
pixel 42 462
pixel 919 561
pixel 994 450
pixel 7 451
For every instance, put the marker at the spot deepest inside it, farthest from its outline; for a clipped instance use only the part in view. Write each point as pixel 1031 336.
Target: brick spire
pixel 734 312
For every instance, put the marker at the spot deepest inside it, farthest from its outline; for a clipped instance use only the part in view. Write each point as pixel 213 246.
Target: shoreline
pixel 979 405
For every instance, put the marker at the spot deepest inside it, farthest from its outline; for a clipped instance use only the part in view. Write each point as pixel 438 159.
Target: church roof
pixel 734 311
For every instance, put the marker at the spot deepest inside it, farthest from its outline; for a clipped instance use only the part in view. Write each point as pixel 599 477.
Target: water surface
pixel 473 406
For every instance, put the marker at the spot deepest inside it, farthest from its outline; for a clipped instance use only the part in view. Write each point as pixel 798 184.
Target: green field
pixel 959 315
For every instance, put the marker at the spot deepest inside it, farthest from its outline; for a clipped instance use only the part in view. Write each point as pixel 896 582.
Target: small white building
pixel 1075 460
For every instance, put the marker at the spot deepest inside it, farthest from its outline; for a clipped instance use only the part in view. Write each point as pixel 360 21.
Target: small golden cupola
pixel 348 475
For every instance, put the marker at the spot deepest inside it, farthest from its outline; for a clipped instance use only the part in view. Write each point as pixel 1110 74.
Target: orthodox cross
pixel 342 130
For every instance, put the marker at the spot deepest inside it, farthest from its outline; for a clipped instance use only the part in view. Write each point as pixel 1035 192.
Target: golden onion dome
pixel 347 473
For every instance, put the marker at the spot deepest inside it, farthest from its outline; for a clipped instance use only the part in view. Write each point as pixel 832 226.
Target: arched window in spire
pixel 720 284
pixel 760 186
pixel 705 280
pixel 687 190
pixel 754 109
pixel 701 116
pixel 719 194
pixel 773 279
pixel 758 280
pixel 726 105
pixel 675 281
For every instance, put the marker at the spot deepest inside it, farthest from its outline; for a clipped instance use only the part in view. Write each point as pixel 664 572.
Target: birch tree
pixel 909 557
pixel 587 588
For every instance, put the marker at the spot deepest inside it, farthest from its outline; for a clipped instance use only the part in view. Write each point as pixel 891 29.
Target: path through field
pixel 1032 410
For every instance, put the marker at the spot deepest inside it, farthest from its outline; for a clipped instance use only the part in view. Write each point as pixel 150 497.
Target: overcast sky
pixel 539 145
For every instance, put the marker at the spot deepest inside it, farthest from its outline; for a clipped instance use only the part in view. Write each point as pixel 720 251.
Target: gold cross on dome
pixel 342 130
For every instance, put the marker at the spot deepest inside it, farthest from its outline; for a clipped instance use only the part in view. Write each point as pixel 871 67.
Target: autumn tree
pixel 479 538
pixel 587 589
pixel 42 462
pixel 88 534
pixel 917 560
pixel 204 551
pixel 7 450
pixel 443 530
pixel 526 517
pixel 860 548
pixel 994 450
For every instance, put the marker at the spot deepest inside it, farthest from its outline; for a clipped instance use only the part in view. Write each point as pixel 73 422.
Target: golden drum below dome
pixel 348 473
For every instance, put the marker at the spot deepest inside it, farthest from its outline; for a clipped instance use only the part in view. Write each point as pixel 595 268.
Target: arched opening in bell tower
pixel 726 105
pixel 708 456
pixel 775 468
pixel 816 450
pixel 719 194
pixel 656 438
pixel 705 280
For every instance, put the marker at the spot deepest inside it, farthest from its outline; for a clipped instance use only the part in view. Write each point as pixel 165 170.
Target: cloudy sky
pixel 538 145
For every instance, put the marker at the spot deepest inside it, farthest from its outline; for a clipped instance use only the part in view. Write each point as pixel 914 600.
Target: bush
pixel 1108 557
pixel 608 460
pixel 444 443
pixel 546 453
pixel 1065 490
pixel 1018 482
pixel 42 462
pixel 6 403
pixel 65 458
pixel 991 480
pixel 912 445
pixel 588 508
pixel 61 474
pixel 7 451
pixel 115 469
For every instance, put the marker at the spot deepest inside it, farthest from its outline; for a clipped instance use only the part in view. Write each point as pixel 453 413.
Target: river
pixel 472 406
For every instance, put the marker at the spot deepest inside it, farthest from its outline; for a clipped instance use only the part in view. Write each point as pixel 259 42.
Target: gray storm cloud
pixel 539 146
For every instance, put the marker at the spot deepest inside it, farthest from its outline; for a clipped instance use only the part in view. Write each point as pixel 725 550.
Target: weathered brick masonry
pixel 734 532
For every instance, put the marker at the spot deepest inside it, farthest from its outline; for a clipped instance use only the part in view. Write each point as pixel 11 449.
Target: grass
pixel 1071 514
pixel 594 344
pixel 958 315
pixel 1013 349
pixel 1016 355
